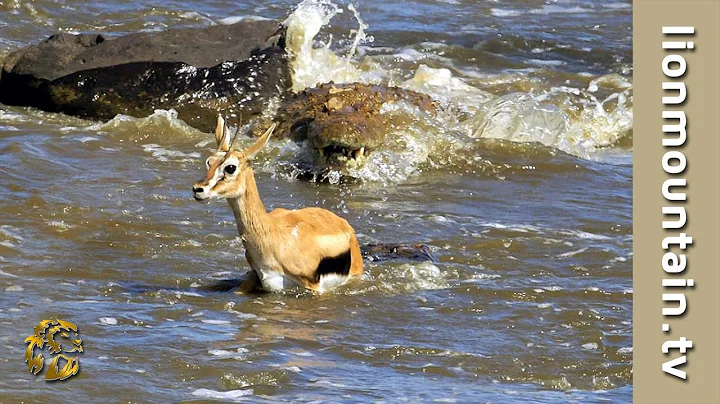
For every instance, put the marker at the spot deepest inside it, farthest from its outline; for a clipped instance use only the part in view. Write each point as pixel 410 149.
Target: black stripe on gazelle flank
pixel 339 265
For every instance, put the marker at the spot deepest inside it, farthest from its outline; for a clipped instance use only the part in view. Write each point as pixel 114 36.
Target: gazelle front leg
pixel 251 284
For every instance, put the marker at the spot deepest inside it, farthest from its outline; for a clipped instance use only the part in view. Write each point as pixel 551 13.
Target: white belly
pixel 273 281
pixel 331 281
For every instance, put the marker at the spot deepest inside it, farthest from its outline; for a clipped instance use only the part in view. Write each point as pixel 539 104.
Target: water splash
pixel 162 126
pixel 570 119
pixel 359 35
pixel 313 65
pixel 448 89
pixel 578 121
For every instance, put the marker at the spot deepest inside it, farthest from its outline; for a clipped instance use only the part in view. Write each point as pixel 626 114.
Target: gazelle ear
pixel 221 137
pixel 251 151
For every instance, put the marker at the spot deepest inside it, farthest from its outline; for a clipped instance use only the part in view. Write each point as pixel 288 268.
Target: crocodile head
pixel 343 124
pixel 344 139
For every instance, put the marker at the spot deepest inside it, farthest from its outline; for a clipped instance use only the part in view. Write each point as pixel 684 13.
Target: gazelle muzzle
pixel 202 190
pixel 199 193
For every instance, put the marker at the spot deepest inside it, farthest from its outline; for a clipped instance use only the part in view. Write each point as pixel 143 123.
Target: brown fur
pixel 288 242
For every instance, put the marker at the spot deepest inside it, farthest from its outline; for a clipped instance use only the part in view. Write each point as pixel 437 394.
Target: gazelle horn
pixel 235 136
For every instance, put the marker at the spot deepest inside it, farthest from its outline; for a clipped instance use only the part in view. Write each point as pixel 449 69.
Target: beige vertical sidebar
pixel 701 321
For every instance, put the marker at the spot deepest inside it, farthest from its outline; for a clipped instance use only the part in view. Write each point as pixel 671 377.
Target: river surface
pixel 522 190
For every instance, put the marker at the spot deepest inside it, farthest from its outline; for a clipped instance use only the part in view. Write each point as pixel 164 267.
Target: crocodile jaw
pixel 348 157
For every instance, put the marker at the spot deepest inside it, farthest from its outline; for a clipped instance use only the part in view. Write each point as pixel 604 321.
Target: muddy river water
pixel 523 192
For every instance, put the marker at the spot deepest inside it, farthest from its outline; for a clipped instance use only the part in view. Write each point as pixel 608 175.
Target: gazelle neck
pixel 249 211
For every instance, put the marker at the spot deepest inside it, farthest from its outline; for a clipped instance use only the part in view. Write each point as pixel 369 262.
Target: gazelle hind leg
pixel 356 260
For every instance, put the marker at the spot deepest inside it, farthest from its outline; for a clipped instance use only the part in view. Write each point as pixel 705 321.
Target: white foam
pixel 480 277
pixel 236 19
pixel 585 235
pixel 194 15
pixel 158 125
pixel 60 224
pixel 421 276
pixel 180 293
pixel 239 354
pixel 86 139
pixel 443 86
pixel 163 154
pixel 540 62
pixel 108 320
pixel 231 395
pixel 572 253
pixel 3 273
pixel 619 6
pixel 215 322
pixel 11 232
pixel 501 12
pixel 555 9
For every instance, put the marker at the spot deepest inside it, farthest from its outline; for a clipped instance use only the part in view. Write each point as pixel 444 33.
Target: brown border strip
pixel 701 320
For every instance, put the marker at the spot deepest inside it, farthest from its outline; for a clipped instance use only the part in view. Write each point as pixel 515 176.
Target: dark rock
pixel 384 252
pixel 198 71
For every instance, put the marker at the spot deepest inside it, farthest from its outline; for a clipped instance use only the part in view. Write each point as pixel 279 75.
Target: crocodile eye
pixel 230 169
pixel 300 130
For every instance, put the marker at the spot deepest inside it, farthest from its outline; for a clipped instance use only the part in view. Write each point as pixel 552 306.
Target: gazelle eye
pixel 230 169
pixel 207 163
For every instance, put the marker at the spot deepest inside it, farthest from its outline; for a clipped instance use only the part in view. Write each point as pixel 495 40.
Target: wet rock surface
pixel 385 252
pixel 198 71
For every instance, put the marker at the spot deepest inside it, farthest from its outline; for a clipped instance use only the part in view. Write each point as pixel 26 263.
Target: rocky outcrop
pixel 197 71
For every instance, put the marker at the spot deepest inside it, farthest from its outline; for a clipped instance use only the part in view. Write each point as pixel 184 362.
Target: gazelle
pixel 310 247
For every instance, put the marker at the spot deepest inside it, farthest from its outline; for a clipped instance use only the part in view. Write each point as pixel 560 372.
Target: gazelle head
pixel 228 170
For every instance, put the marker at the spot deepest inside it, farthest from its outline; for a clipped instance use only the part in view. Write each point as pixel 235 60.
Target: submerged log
pixel 197 71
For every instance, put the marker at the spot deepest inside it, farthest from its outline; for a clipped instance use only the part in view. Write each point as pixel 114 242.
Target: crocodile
pixel 343 123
